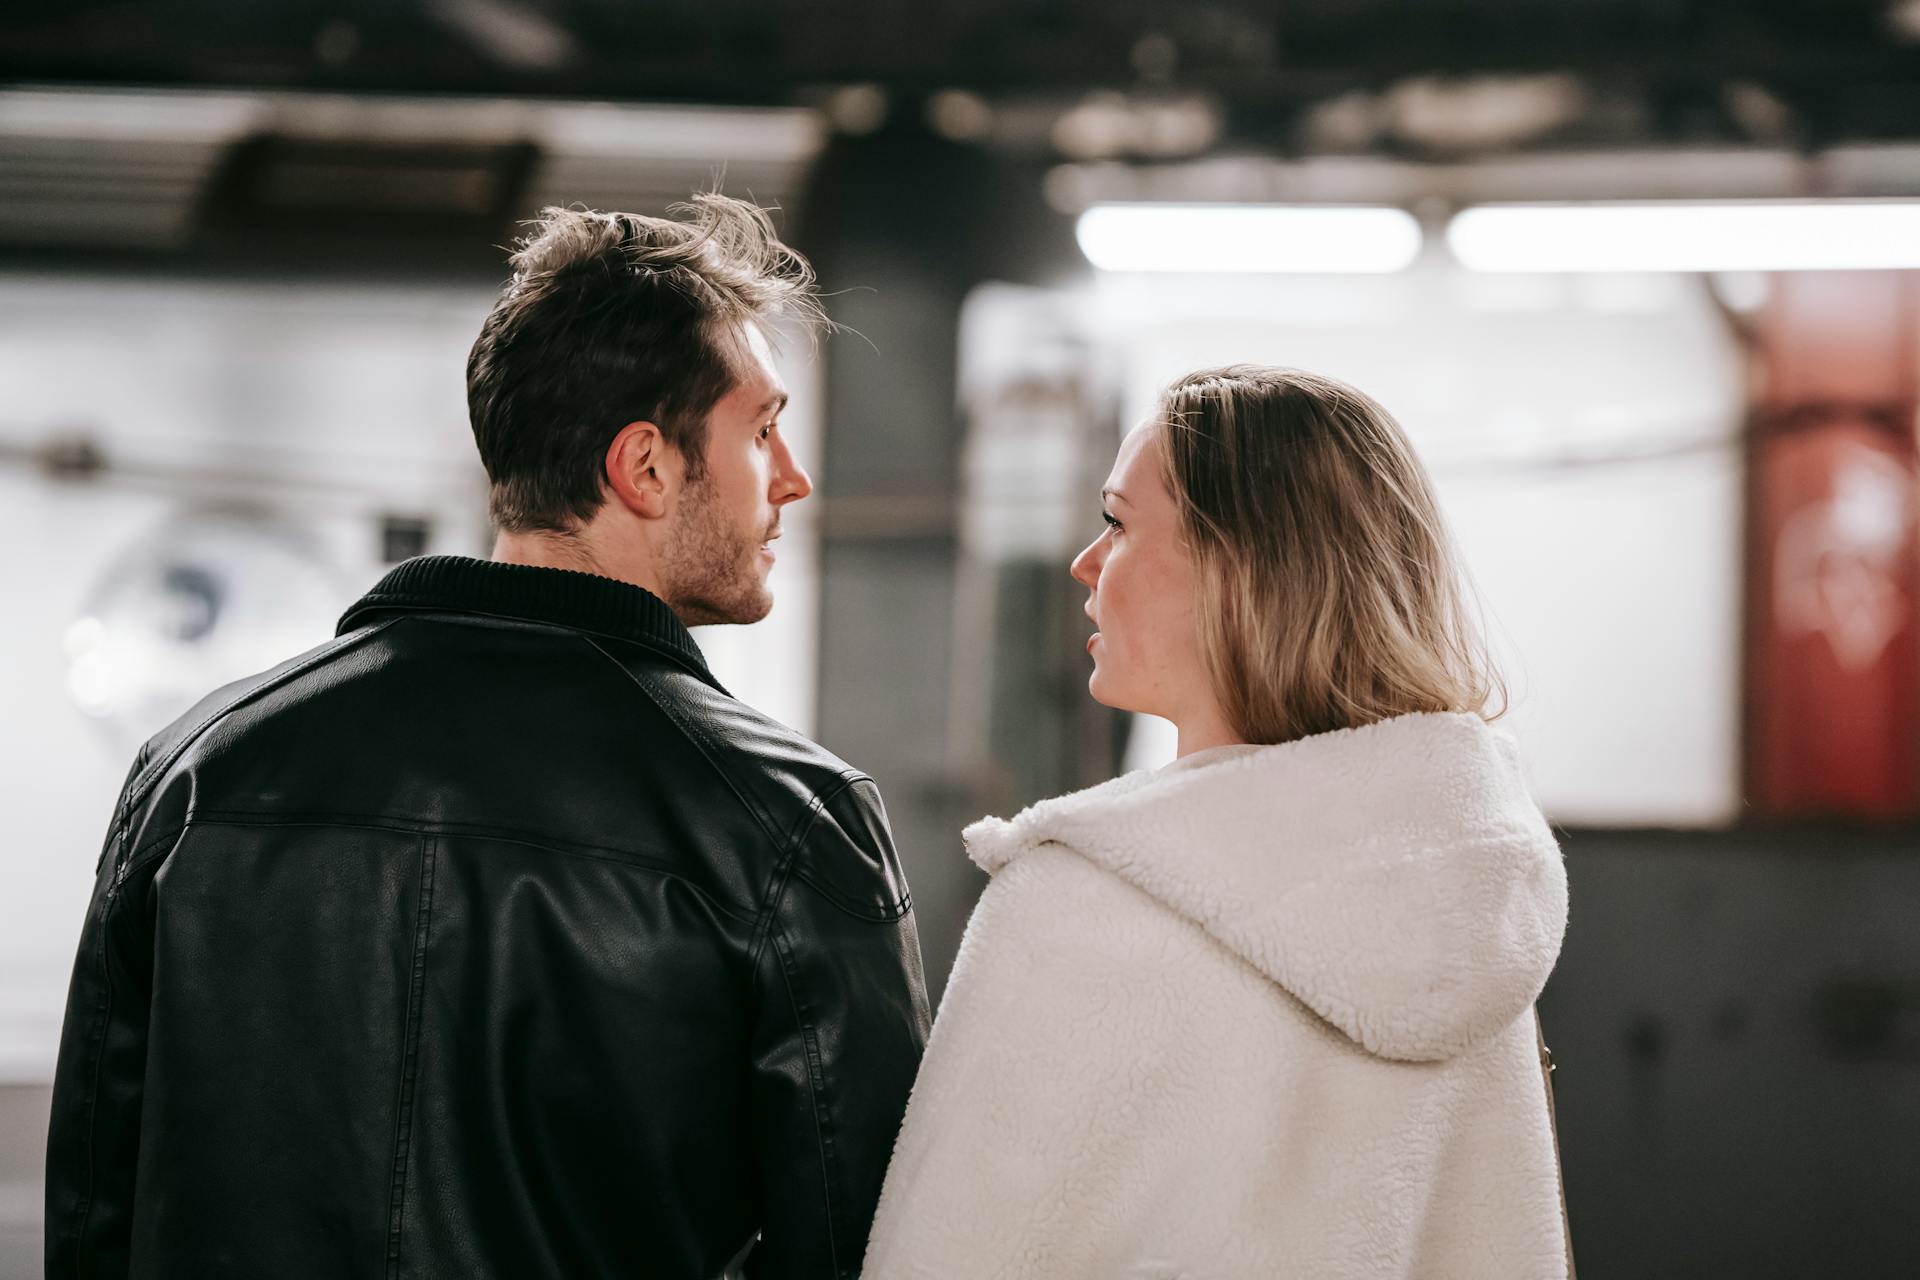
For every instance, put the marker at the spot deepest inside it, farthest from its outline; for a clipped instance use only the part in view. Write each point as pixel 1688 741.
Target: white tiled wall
pixel 351 401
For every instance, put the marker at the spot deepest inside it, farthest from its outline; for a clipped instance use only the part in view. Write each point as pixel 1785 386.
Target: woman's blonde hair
pixel 1329 596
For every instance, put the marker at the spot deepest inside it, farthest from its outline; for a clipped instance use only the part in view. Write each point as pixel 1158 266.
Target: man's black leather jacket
pixel 491 939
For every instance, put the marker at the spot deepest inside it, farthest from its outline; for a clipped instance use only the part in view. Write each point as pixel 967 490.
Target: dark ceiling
pixel 1842 70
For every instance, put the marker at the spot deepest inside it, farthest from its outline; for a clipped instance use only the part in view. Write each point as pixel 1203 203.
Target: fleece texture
pixel 1261 1013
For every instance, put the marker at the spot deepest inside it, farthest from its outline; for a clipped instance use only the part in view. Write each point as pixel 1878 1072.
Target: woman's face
pixel 1146 654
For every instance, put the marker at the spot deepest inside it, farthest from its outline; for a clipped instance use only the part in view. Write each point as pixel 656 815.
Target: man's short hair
pixel 612 318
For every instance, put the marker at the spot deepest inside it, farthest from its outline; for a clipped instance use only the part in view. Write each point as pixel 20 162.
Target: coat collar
pixel 1397 878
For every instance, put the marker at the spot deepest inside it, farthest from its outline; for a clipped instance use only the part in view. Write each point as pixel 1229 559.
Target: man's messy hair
pixel 612 318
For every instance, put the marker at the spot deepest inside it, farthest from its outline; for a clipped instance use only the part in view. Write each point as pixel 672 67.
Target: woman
pixel 1266 1011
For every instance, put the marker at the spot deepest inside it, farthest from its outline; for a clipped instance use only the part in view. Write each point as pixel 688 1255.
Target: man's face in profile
pixel 716 560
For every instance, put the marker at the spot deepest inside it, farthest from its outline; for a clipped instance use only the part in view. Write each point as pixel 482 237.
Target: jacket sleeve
pixel 93 1136
pixel 842 1020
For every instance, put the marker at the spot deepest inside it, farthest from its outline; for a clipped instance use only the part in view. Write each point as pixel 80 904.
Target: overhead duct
pixel 410 205
pixel 111 170
pixel 287 179
pixel 644 159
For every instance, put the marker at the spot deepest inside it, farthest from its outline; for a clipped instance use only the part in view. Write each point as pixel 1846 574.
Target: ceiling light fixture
pixel 1688 236
pixel 1249 239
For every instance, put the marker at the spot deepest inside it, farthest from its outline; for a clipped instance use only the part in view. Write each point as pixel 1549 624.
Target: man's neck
pixel 576 551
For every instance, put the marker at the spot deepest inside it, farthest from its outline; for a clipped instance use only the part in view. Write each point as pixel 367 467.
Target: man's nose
pixel 791 481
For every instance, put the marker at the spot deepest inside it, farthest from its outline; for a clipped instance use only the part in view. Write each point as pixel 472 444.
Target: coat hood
pixel 1397 878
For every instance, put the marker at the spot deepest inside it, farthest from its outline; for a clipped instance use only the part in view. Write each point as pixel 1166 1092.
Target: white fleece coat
pixel 1261 1013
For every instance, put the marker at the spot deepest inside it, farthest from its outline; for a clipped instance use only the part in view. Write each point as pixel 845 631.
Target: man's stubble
pixel 710 572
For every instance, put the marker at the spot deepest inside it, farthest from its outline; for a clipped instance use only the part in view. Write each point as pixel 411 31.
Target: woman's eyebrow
pixel 1111 494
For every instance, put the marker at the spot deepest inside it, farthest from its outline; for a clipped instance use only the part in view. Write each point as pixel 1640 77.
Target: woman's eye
pixel 1111 522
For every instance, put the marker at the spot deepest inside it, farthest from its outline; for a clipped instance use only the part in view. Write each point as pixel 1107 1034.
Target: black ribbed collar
pixel 559 597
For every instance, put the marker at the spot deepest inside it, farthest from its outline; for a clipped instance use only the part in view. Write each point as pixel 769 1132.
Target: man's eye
pixel 766 431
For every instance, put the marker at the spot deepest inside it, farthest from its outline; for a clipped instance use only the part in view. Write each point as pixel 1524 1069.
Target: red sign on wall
pixel 1833 671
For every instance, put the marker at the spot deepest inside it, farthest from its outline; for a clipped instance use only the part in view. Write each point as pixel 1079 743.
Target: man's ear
pixel 643 470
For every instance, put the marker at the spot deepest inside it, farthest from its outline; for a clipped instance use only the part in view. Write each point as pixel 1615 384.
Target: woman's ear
pixel 643 471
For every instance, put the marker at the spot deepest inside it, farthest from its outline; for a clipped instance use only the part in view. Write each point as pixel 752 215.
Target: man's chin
pixel 745 611
pixel 759 609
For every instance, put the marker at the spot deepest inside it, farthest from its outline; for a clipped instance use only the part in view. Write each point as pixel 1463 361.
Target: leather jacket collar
pixel 555 597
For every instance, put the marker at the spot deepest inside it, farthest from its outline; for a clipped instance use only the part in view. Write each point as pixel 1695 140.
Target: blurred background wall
pixel 243 251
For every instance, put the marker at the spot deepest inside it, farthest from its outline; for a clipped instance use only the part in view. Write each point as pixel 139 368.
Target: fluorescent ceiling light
pixel 1707 235
pixel 1248 238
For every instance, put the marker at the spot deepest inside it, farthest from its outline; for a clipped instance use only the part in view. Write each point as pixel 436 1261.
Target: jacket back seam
pixel 593 853
pixel 410 1056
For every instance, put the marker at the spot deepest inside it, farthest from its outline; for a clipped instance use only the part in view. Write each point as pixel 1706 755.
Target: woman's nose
pixel 1086 565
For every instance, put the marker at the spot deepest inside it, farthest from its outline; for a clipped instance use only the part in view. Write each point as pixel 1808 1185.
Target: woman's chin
pixel 1108 692
pixel 1100 688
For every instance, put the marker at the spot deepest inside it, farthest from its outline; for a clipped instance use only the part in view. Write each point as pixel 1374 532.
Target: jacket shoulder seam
pixel 860 911
pixel 776 890
pixel 787 864
pixel 139 791
pixel 695 737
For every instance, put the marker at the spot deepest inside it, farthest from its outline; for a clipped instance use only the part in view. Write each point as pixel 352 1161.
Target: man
pixel 494 938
